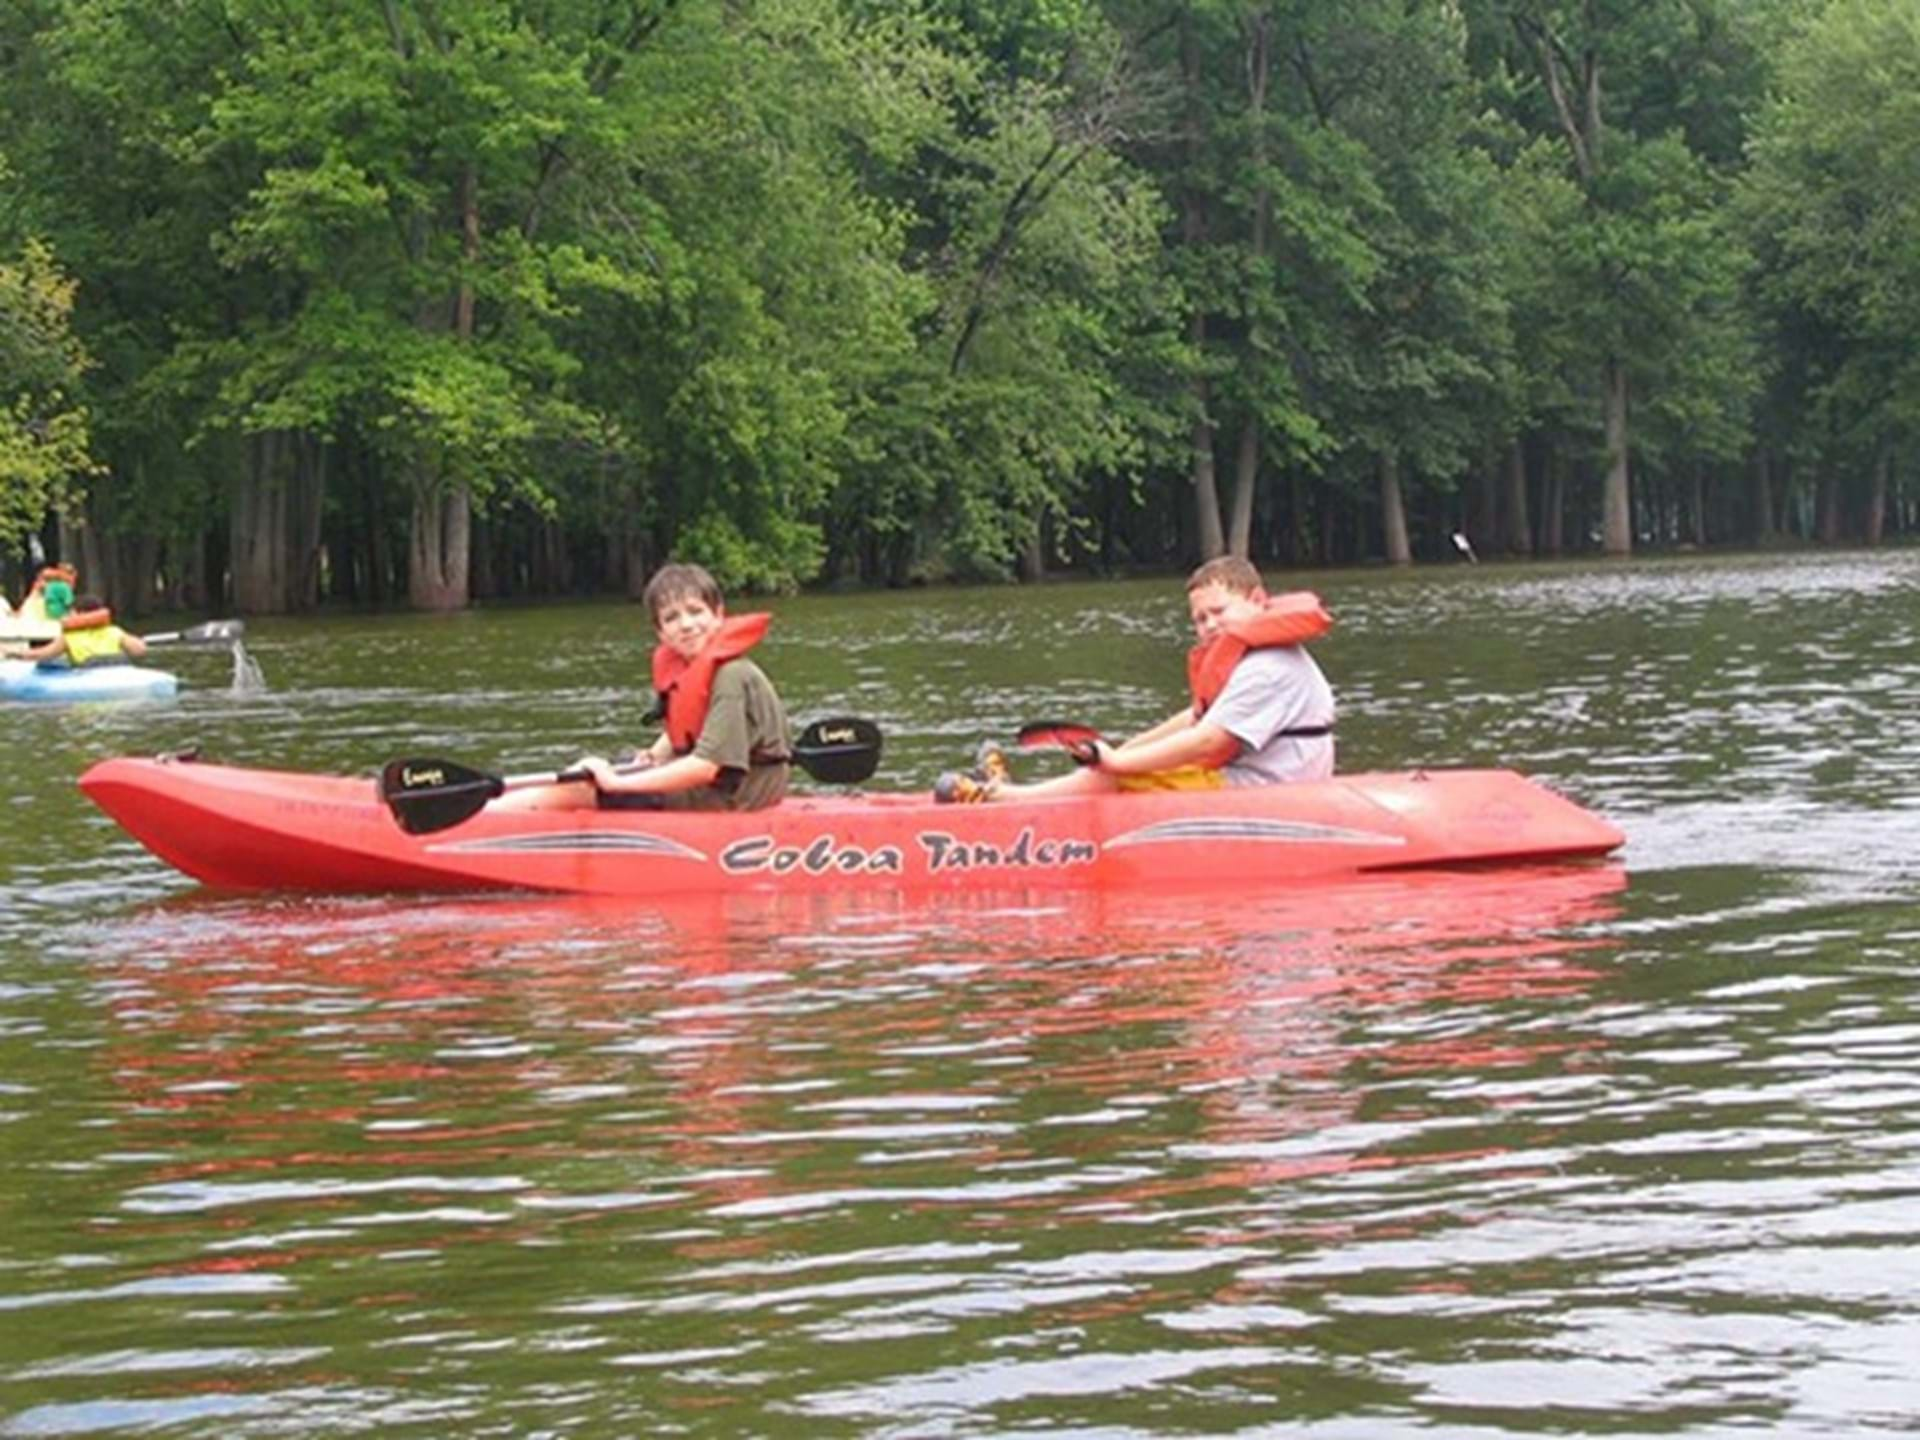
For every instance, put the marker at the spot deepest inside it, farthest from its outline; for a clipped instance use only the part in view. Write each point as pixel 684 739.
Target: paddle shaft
pixel 426 795
pixel 1080 740
pixel 813 760
pixel 213 630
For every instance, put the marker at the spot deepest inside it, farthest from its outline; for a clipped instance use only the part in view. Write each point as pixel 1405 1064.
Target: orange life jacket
pixel 1289 619
pixel 686 686
pixel 86 619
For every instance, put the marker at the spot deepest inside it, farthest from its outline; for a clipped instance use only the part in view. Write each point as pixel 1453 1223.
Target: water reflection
pixel 717 1144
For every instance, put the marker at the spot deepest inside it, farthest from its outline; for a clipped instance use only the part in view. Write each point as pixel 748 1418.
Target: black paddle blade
pixel 842 751
pixel 1076 739
pixel 429 795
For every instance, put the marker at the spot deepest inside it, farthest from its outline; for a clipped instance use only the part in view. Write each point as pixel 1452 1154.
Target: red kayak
pixel 249 829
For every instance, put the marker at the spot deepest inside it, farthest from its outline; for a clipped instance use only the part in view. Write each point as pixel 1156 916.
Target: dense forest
pixel 433 301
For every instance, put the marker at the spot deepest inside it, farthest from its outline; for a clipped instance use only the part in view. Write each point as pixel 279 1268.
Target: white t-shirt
pixel 1274 689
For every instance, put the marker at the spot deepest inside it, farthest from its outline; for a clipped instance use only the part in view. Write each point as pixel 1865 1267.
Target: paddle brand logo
pixel 412 779
pixel 820 856
pixel 946 852
pixel 835 735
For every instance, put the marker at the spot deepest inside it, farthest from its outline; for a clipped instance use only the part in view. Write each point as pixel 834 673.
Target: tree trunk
pixel 1299 540
pixel 638 558
pixel 483 569
pixel 1876 521
pixel 1553 503
pixel 1031 563
pixel 1700 504
pixel 1257 35
pixel 259 526
pixel 117 568
pixel 1827 516
pixel 1393 513
pixel 1762 496
pixel 1483 499
pixel 440 539
pixel 438 547
pixel 1246 476
pixel 274 520
pixel 1193 231
pixel 1617 522
pixel 306 505
pixel 1206 494
pixel 1519 527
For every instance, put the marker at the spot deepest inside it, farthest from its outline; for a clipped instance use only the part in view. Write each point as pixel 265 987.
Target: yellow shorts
pixel 1187 777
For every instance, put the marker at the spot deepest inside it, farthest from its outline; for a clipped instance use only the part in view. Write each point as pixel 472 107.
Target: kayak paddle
pixel 426 795
pixel 211 632
pixel 1077 740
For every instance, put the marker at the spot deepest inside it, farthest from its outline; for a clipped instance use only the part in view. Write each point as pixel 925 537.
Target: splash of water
pixel 248 678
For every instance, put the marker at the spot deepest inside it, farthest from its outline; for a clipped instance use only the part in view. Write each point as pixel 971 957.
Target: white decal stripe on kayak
pixel 549 842
pixel 1289 832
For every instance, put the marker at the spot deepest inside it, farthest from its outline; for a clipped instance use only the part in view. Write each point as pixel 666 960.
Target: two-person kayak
pixel 252 829
pixel 103 678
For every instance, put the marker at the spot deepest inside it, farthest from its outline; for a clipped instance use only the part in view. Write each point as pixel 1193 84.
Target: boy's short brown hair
pixel 675 581
pixel 1232 571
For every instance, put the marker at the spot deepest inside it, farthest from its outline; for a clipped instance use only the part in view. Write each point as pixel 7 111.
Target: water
pixel 1625 1149
pixel 248 677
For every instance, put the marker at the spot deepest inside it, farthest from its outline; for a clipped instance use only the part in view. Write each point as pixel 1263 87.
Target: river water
pixel 1619 1149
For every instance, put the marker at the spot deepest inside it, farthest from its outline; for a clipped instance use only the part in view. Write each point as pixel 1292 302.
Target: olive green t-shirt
pixel 746 734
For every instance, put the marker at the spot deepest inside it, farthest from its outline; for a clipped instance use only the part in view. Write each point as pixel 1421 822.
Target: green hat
pixel 58 596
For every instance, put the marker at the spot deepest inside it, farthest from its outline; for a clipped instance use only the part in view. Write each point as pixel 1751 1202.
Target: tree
pixel 1833 202
pixel 1616 83
pixel 44 441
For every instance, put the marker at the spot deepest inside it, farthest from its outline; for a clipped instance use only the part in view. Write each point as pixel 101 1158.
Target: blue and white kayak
pixel 27 680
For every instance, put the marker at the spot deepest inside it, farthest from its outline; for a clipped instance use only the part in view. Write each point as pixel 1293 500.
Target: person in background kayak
pixel 88 636
pixel 51 595
pixel 1261 714
pixel 726 743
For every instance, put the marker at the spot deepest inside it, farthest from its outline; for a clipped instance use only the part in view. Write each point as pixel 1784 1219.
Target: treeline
pixel 417 302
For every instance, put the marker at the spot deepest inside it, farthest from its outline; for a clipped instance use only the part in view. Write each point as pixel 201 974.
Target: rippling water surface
pixel 1622 1149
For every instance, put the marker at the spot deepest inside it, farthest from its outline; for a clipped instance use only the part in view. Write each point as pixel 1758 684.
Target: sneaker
pixel 956 787
pixel 990 763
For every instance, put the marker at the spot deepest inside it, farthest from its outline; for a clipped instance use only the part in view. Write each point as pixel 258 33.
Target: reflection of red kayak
pixel 264 829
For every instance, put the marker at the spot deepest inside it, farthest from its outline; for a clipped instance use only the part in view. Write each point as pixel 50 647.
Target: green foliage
pixel 902 290
pixel 44 436
pixel 1832 201
pixel 775 560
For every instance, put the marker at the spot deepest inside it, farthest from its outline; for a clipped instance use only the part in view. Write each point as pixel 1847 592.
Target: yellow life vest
pixel 95 642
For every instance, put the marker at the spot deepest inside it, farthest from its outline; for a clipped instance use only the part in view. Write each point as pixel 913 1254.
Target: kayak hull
pixel 249 829
pixel 27 681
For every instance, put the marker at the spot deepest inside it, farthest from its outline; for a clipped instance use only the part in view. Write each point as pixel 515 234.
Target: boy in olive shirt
pixel 726 743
